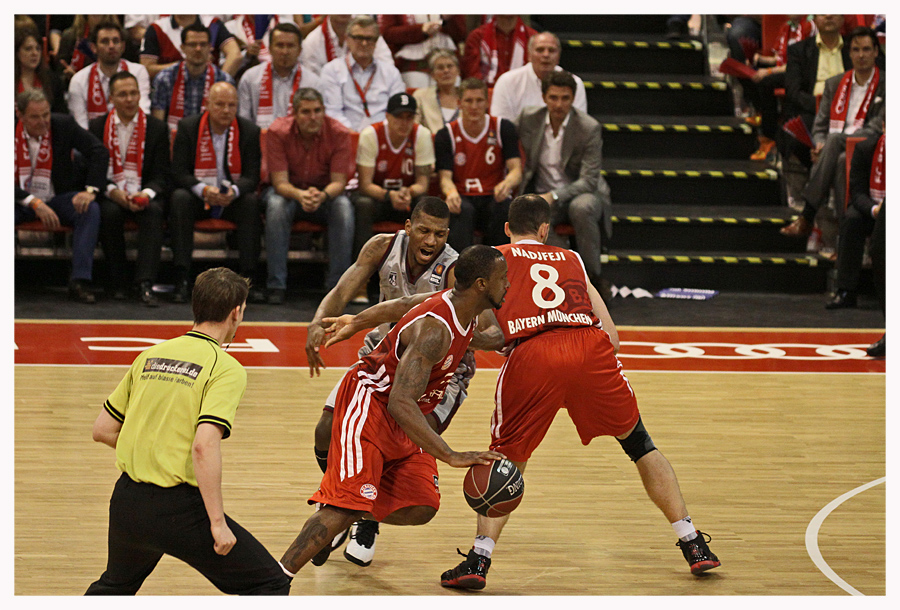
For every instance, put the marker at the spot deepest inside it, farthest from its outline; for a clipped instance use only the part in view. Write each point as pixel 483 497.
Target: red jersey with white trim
pixel 478 163
pixel 394 168
pixel 380 365
pixel 547 289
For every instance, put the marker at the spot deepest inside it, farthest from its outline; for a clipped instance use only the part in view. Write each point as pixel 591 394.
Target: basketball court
pixel 777 437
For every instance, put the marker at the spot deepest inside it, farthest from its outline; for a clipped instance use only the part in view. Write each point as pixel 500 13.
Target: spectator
pixel 265 91
pixel 160 47
pixel 215 167
pixel 810 63
pixel 309 163
pixel 138 183
pixel 563 158
pixel 32 73
pixel 75 51
pixel 89 88
pixel 412 37
pixel 50 27
pixel 496 47
pixel 852 105
pixel 867 188
pixel 356 87
pixel 136 26
pixel 521 87
pixel 328 42
pixel 439 104
pixel 877 249
pixel 479 164
pixel 253 35
pixel 770 75
pixel 394 161
pixel 46 185
pixel 181 90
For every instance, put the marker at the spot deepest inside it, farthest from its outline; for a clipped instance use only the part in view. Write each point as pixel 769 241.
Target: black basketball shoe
pixel 470 574
pixel 698 555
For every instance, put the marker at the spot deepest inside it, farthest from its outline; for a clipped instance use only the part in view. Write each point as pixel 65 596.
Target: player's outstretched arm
pixel 346 326
pixel 426 343
pixel 602 312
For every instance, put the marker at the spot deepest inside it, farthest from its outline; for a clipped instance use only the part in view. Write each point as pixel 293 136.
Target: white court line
pixel 812 535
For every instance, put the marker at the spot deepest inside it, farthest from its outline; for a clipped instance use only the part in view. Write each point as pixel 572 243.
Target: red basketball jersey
pixel 478 163
pixel 394 168
pixel 548 289
pixel 380 365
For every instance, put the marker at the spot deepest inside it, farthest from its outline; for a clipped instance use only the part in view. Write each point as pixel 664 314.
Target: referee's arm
pixel 106 428
pixel 206 454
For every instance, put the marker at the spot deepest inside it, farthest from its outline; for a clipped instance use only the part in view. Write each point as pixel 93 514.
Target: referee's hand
pixel 223 537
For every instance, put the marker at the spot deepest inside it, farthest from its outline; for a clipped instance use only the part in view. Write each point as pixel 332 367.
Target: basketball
pixel 495 490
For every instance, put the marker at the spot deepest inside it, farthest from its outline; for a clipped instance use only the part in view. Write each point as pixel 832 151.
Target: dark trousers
pixel 244 211
pixel 85 228
pixel 149 245
pixel 147 521
pixel 482 213
pixel 368 211
pixel 878 249
pixel 855 227
pixel 767 104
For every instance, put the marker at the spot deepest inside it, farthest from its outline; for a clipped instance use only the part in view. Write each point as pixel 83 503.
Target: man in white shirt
pixel 253 33
pixel 563 158
pixel 328 42
pixel 521 87
pixel 265 90
pixel 89 89
pixel 356 87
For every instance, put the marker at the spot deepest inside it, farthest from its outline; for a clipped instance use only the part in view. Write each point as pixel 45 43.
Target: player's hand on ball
pixel 464 459
pixel 223 538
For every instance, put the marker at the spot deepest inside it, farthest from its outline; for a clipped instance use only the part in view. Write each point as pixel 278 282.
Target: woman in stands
pixel 32 73
pixel 439 105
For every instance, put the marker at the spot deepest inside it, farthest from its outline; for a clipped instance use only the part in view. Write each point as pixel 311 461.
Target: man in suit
pixel 852 104
pixel 47 183
pixel 215 167
pixel 563 157
pixel 138 182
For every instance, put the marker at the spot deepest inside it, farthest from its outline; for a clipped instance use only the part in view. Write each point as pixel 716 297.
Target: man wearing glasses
pixel 356 87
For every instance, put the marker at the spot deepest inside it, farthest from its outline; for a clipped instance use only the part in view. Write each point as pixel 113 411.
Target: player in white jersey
pixel 414 260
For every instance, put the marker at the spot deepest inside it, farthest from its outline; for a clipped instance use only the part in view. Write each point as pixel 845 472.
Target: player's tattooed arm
pixel 488 334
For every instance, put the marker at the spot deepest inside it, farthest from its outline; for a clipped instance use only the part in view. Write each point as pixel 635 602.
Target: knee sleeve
pixel 638 443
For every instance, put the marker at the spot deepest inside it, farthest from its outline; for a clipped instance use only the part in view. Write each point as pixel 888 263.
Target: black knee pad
pixel 638 443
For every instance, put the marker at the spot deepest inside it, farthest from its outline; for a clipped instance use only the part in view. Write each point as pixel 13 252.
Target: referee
pixel 166 420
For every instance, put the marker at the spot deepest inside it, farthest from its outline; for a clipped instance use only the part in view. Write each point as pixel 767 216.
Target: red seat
pixel 564 229
pixel 851 143
pixel 212 225
pixel 37 225
pixel 305 226
pixel 386 226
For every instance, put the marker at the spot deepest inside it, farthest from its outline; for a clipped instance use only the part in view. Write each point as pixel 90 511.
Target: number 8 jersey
pixel 548 289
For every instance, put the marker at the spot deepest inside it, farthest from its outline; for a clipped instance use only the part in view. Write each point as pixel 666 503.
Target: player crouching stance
pixel 382 455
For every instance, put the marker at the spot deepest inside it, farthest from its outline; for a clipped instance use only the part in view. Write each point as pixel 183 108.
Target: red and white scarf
pixel 126 173
pixel 205 159
pixel 839 105
pixel 265 113
pixel 790 33
pixel 36 182
pixel 489 58
pixel 330 45
pixel 79 59
pixel 176 104
pixel 876 177
pixel 248 24
pixel 97 103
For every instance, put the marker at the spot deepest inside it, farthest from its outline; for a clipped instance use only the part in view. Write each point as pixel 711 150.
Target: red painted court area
pixel 655 349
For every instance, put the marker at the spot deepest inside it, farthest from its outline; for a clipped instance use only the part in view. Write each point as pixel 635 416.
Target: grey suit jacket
pixel 582 155
pixel 874 123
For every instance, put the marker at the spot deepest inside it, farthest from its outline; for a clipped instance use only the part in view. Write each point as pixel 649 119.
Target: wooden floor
pixel 757 456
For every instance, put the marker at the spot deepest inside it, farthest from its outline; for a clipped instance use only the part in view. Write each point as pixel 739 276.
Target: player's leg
pixel 317 533
pixel 321 442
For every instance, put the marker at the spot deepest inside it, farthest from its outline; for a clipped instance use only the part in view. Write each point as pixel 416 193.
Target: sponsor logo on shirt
pixel 172 367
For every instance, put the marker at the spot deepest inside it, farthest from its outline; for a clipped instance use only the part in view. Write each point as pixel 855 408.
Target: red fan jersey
pixel 478 163
pixel 547 289
pixel 378 368
pixel 394 168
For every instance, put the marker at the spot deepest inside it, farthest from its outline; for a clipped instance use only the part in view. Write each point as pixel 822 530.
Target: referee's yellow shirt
pixel 170 389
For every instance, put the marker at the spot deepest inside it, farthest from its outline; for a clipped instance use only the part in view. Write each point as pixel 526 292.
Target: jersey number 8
pixel 546 283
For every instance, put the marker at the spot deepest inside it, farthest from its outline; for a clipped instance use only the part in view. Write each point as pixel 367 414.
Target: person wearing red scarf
pixel 138 182
pixel 496 47
pixel 852 105
pixel 215 167
pixel 867 189
pixel 47 187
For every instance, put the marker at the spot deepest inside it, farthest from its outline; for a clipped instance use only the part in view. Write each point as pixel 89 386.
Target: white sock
pixel 483 546
pixel 684 529
pixel 285 570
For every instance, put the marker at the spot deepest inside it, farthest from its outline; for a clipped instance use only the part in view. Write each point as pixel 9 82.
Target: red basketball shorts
pixel 372 464
pixel 572 368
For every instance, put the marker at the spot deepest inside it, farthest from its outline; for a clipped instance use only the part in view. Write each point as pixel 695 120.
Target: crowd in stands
pixel 345 121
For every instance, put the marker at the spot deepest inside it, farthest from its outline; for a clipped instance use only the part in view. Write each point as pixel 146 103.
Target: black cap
pixel 401 102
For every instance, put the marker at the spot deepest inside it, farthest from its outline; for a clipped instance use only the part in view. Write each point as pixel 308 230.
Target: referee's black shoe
pixel 698 555
pixel 471 573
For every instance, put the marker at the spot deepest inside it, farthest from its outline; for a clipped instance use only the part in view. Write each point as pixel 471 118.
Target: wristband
pixel 387 196
pixel 34 203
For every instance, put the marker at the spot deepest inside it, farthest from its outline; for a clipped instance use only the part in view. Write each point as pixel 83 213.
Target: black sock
pixel 322 459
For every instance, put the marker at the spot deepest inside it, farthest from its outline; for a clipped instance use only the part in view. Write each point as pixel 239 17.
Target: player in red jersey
pixel 561 346
pixel 382 454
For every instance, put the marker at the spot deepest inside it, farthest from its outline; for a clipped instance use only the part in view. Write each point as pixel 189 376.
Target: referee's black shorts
pixel 147 521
